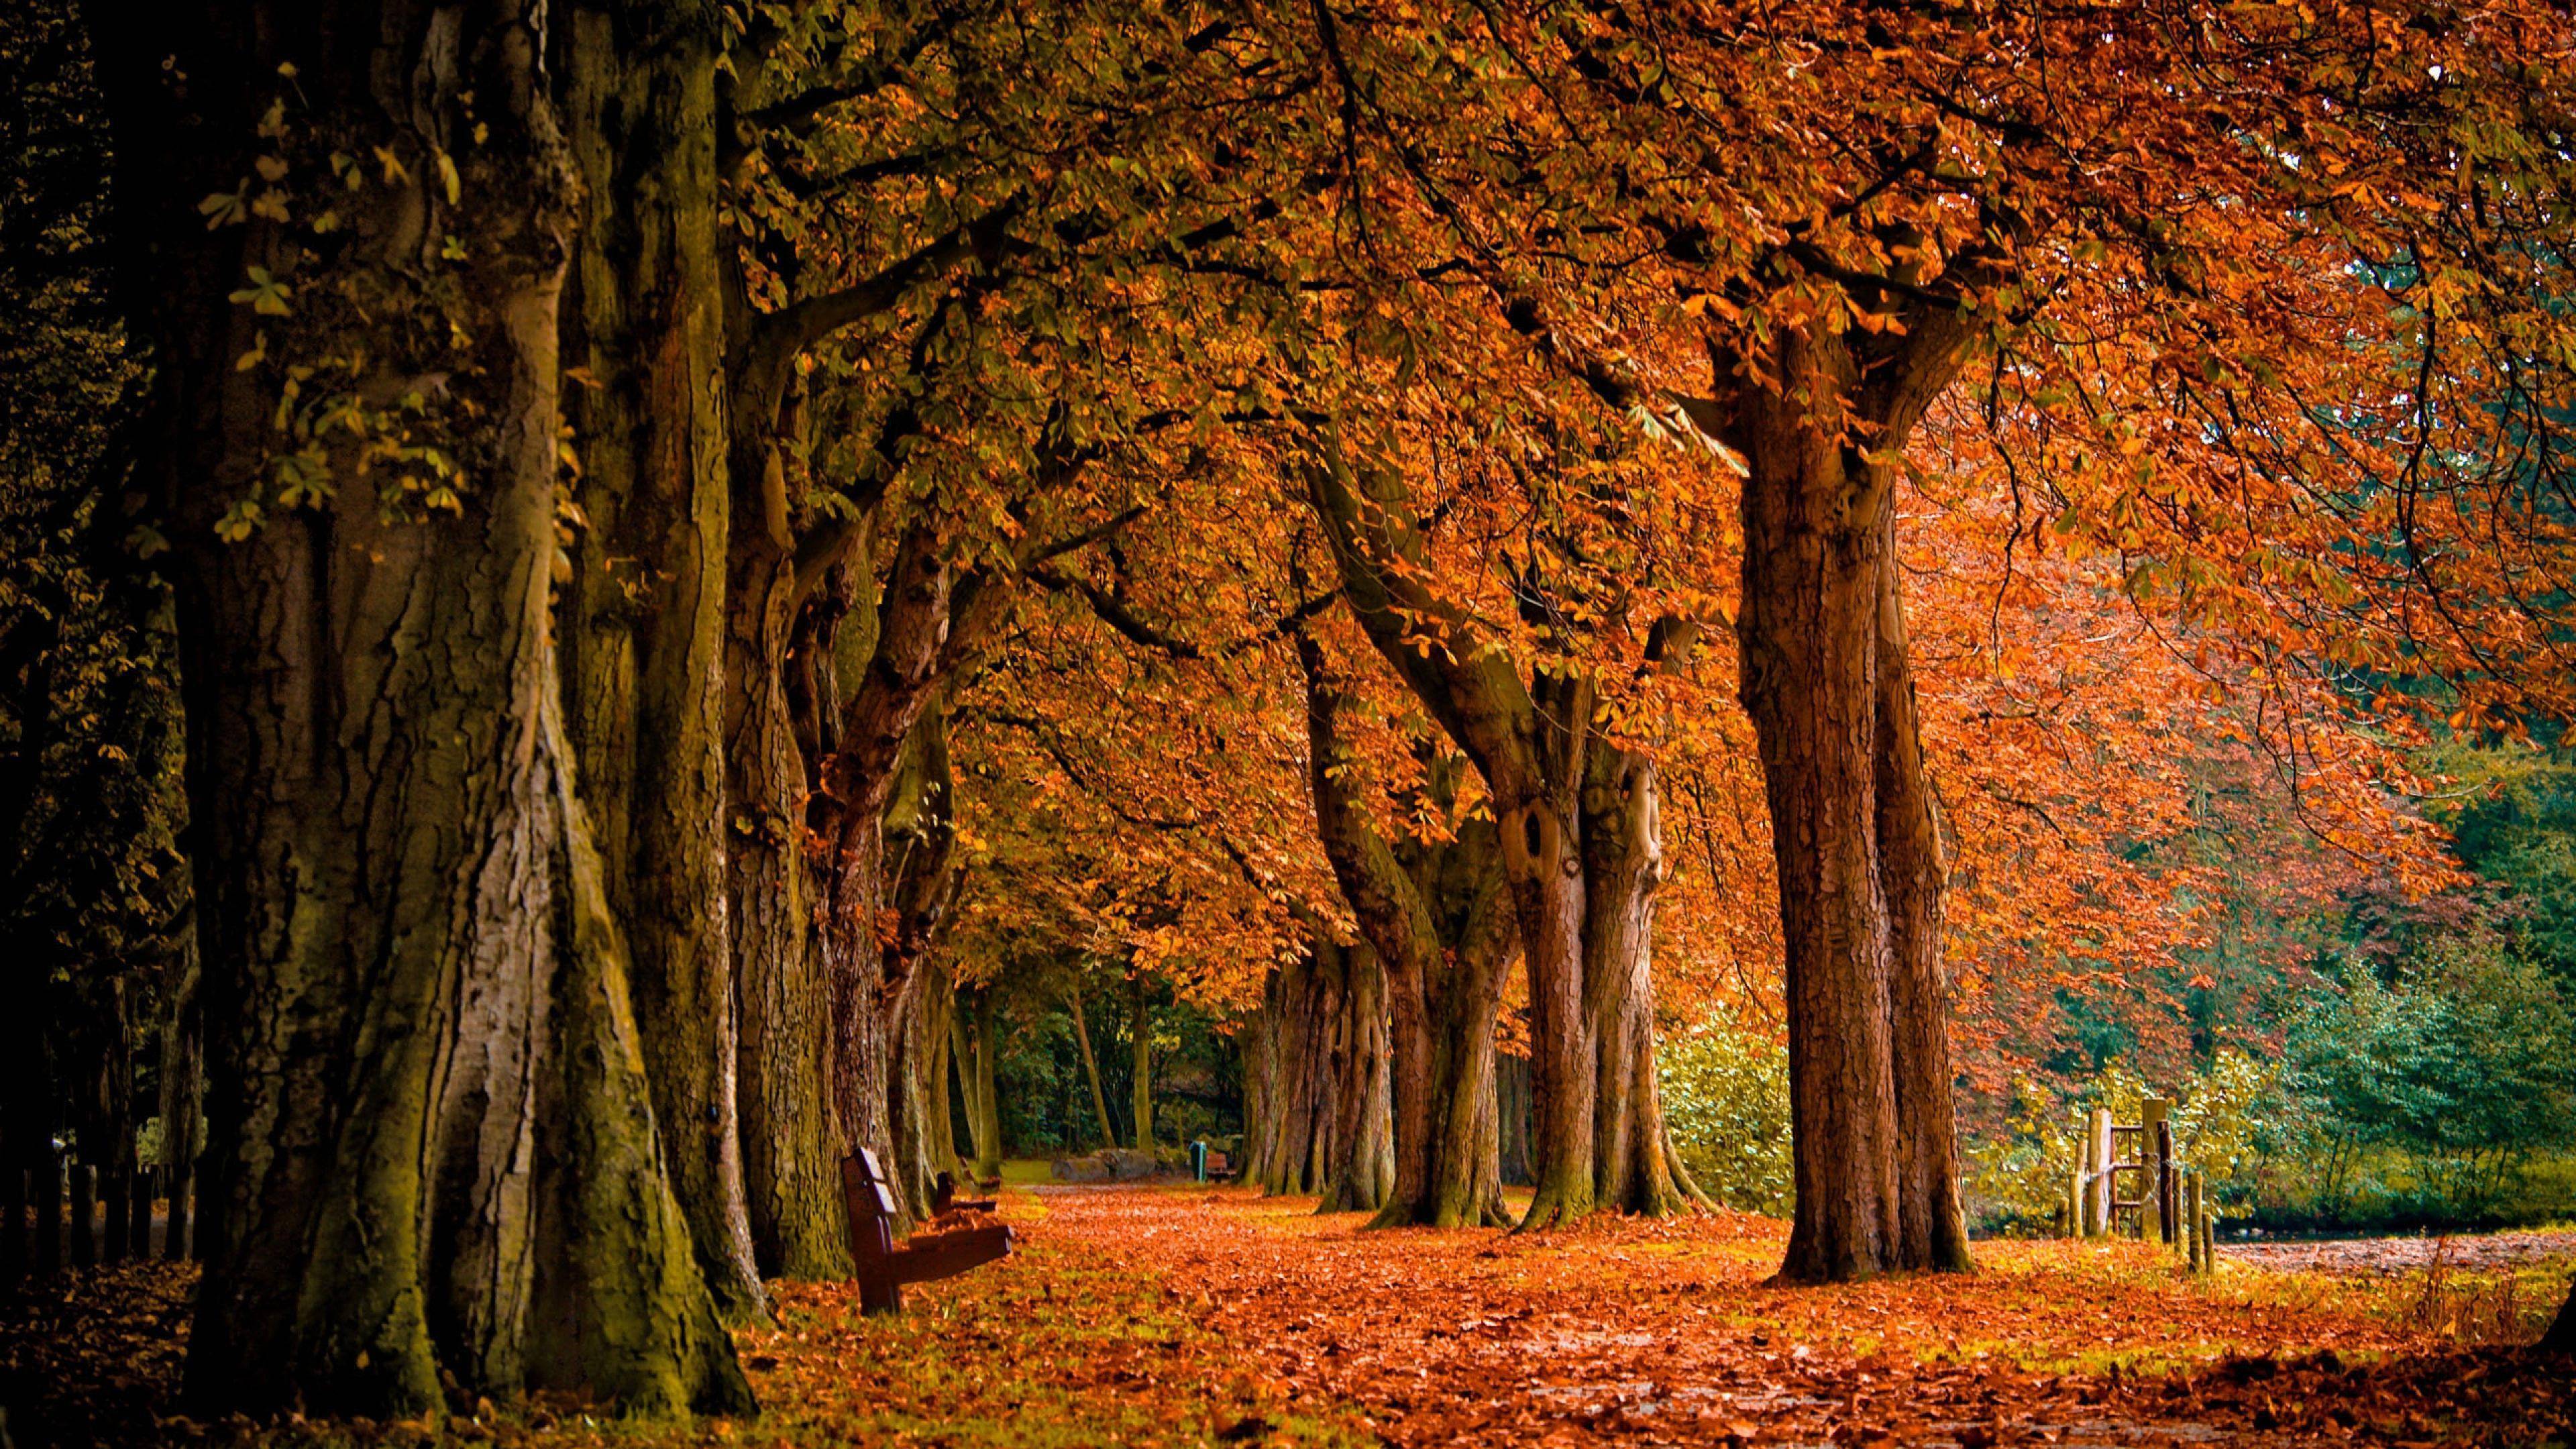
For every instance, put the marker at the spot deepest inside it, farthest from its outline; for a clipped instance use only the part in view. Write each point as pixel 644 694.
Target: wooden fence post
pixel 2201 1223
pixel 2097 1199
pixel 2154 1151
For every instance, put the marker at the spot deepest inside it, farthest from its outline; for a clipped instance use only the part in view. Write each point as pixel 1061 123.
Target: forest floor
pixel 1174 1315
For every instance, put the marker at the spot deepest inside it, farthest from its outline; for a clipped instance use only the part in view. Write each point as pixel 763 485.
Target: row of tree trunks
pixel 1319 1099
pixel 1438 918
pixel 1581 845
pixel 1825 680
pixel 434 1153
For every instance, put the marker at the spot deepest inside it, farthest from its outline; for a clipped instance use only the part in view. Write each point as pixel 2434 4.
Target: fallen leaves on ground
pixel 1163 1316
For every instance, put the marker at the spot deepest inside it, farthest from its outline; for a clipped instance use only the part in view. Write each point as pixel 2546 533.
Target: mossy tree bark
pixel 986 1119
pixel 1824 679
pixel 1439 919
pixel 789 1127
pixel 643 613
pixel 432 1138
pixel 923 877
pixel 1581 868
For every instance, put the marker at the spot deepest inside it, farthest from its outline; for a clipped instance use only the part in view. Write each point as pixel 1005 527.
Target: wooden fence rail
pixel 2165 1198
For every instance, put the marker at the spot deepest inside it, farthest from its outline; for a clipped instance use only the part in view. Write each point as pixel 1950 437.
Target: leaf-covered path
pixel 1174 1316
pixel 1667 1332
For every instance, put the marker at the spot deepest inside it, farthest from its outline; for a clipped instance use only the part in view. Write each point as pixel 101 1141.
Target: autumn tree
pixel 2154 240
pixel 437 1161
pixel 1438 916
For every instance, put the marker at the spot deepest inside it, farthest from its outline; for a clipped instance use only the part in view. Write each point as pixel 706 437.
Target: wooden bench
pixel 885 1266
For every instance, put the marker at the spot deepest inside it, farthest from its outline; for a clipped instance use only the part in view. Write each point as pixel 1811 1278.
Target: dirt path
pixel 1653 1333
pixel 2471 1252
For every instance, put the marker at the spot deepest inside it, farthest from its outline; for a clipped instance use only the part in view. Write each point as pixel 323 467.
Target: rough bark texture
pixel 1586 942
pixel 1859 865
pixel 432 1140
pixel 1359 1174
pixel 1931 1222
pixel 643 613
pixel 922 882
pixel 183 1086
pixel 1439 921
pixel 1294 1065
pixel 1634 1164
pixel 1319 1104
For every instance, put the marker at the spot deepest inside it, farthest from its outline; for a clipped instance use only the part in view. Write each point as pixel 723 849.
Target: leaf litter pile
pixel 1162 1316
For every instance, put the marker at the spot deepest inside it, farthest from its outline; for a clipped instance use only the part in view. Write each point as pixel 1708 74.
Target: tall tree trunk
pixel 1543 861
pixel 922 883
pixel 1859 868
pixel 927 620
pixel 1931 1223
pixel 961 1051
pixel 1300 1012
pixel 1090 1067
pixel 1254 1043
pixel 988 1102
pixel 938 1043
pixel 643 614
pixel 790 1133
pixel 1361 1174
pixel 1808 630
pixel 1140 1080
pixel 1440 924
pixel 1634 1165
pixel 1511 1111
pixel 182 1082
pixel 428 1112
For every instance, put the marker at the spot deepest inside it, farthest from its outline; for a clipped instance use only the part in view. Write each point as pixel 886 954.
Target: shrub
pixel 2464 1066
pixel 1726 1103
